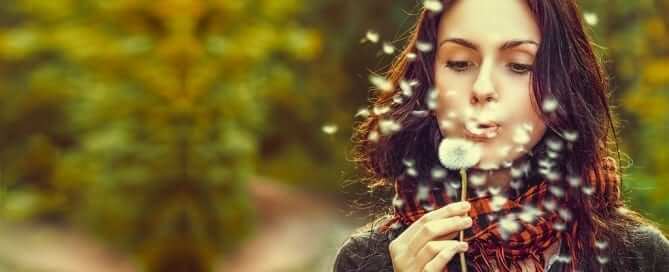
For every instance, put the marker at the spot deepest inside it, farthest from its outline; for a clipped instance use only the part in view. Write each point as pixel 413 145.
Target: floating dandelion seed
pixel 552 176
pixel 389 126
pixel 554 144
pixel 516 184
pixel 457 153
pixel 432 99
pixel 454 184
pixel 428 207
pixel 529 214
pixel 412 172
pixel 601 245
pixel 364 113
pixel 528 126
pixel 423 46
pixel 588 190
pixel 446 124
pixel 516 172
pixel 602 259
pixel 547 164
pixel 565 214
pixel 481 192
pixel 521 135
pixel 422 192
pixel 411 56
pixel 508 226
pixel 504 150
pixel 549 105
pixel 420 113
pixel 408 162
pixel 438 173
pixel 381 83
pixel 491 217
pixel 550 204
pixel 570 136
pixel 398 202
pixel 559 226
pixel 591 18
pixel 373 136
pixel 381 110
pixel 405 86
pixel 574 181
pixel 329 129
pixel 371 36
pixel 433 5
pixel 563 258
pixel 507 164
pixel 397 100
pixel 552 154
pixel 495 190
pixel 477 180
pixel 498 202
pixel 388 48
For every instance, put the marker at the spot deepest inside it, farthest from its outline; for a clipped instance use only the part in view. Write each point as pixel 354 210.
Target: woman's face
pixel 485 50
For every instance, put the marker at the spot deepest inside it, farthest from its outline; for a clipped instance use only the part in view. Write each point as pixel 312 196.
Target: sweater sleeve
pixel 653 249
pixel 364 251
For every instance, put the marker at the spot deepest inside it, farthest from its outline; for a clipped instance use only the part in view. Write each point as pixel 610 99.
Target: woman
pixel 520 79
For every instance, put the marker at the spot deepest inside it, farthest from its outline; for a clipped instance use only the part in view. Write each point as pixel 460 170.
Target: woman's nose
pixel 483 90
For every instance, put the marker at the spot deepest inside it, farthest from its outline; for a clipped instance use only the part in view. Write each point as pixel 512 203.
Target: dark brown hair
pixel 566 69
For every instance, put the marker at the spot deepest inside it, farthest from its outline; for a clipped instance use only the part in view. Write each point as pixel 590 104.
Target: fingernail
pixel 464 205
pixel 467 221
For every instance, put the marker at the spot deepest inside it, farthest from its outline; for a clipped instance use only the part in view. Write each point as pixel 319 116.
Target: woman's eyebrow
pixel 471 45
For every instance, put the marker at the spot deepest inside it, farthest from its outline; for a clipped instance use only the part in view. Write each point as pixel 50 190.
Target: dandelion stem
pixel 463 197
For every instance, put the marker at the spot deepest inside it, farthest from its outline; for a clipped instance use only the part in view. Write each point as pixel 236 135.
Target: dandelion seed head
pixel 329 129
pixel 457 153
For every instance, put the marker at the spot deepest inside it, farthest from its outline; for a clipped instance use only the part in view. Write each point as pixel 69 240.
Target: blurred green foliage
pixel 143 120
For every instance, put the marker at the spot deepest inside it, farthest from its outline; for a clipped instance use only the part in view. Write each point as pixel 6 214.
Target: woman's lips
pixel 481 132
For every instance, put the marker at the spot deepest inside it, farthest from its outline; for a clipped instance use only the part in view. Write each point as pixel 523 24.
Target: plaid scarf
pixel 487 237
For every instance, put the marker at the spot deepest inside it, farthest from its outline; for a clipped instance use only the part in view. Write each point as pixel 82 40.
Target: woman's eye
pixel 519 68
pixel 458 66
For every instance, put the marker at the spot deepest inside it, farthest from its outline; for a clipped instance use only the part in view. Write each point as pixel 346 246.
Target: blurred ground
pixel 296 232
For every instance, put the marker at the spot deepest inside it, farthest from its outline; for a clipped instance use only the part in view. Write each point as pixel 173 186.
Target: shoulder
pixel 651 247
pixel 365 250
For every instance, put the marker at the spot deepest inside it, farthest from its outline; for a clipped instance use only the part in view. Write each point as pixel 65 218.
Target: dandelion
pixel 381 83
pixel 457 153
pixel 381 110
pixel 371 36
pixel 389 126
pixel 549 105
pixel 423 46
pixel 363 112
pixel 433 5
pixel 388 48
pixel 591 18
pixel 329 129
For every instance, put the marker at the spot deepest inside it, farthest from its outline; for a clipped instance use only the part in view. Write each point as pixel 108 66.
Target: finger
pixel 432 230
pixel 432 248
pixel 450 210
pixel 440 260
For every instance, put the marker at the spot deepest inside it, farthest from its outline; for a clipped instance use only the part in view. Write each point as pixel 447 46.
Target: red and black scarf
pixel 529 242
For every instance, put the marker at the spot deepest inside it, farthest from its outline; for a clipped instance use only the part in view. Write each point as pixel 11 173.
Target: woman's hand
pixel 428 244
